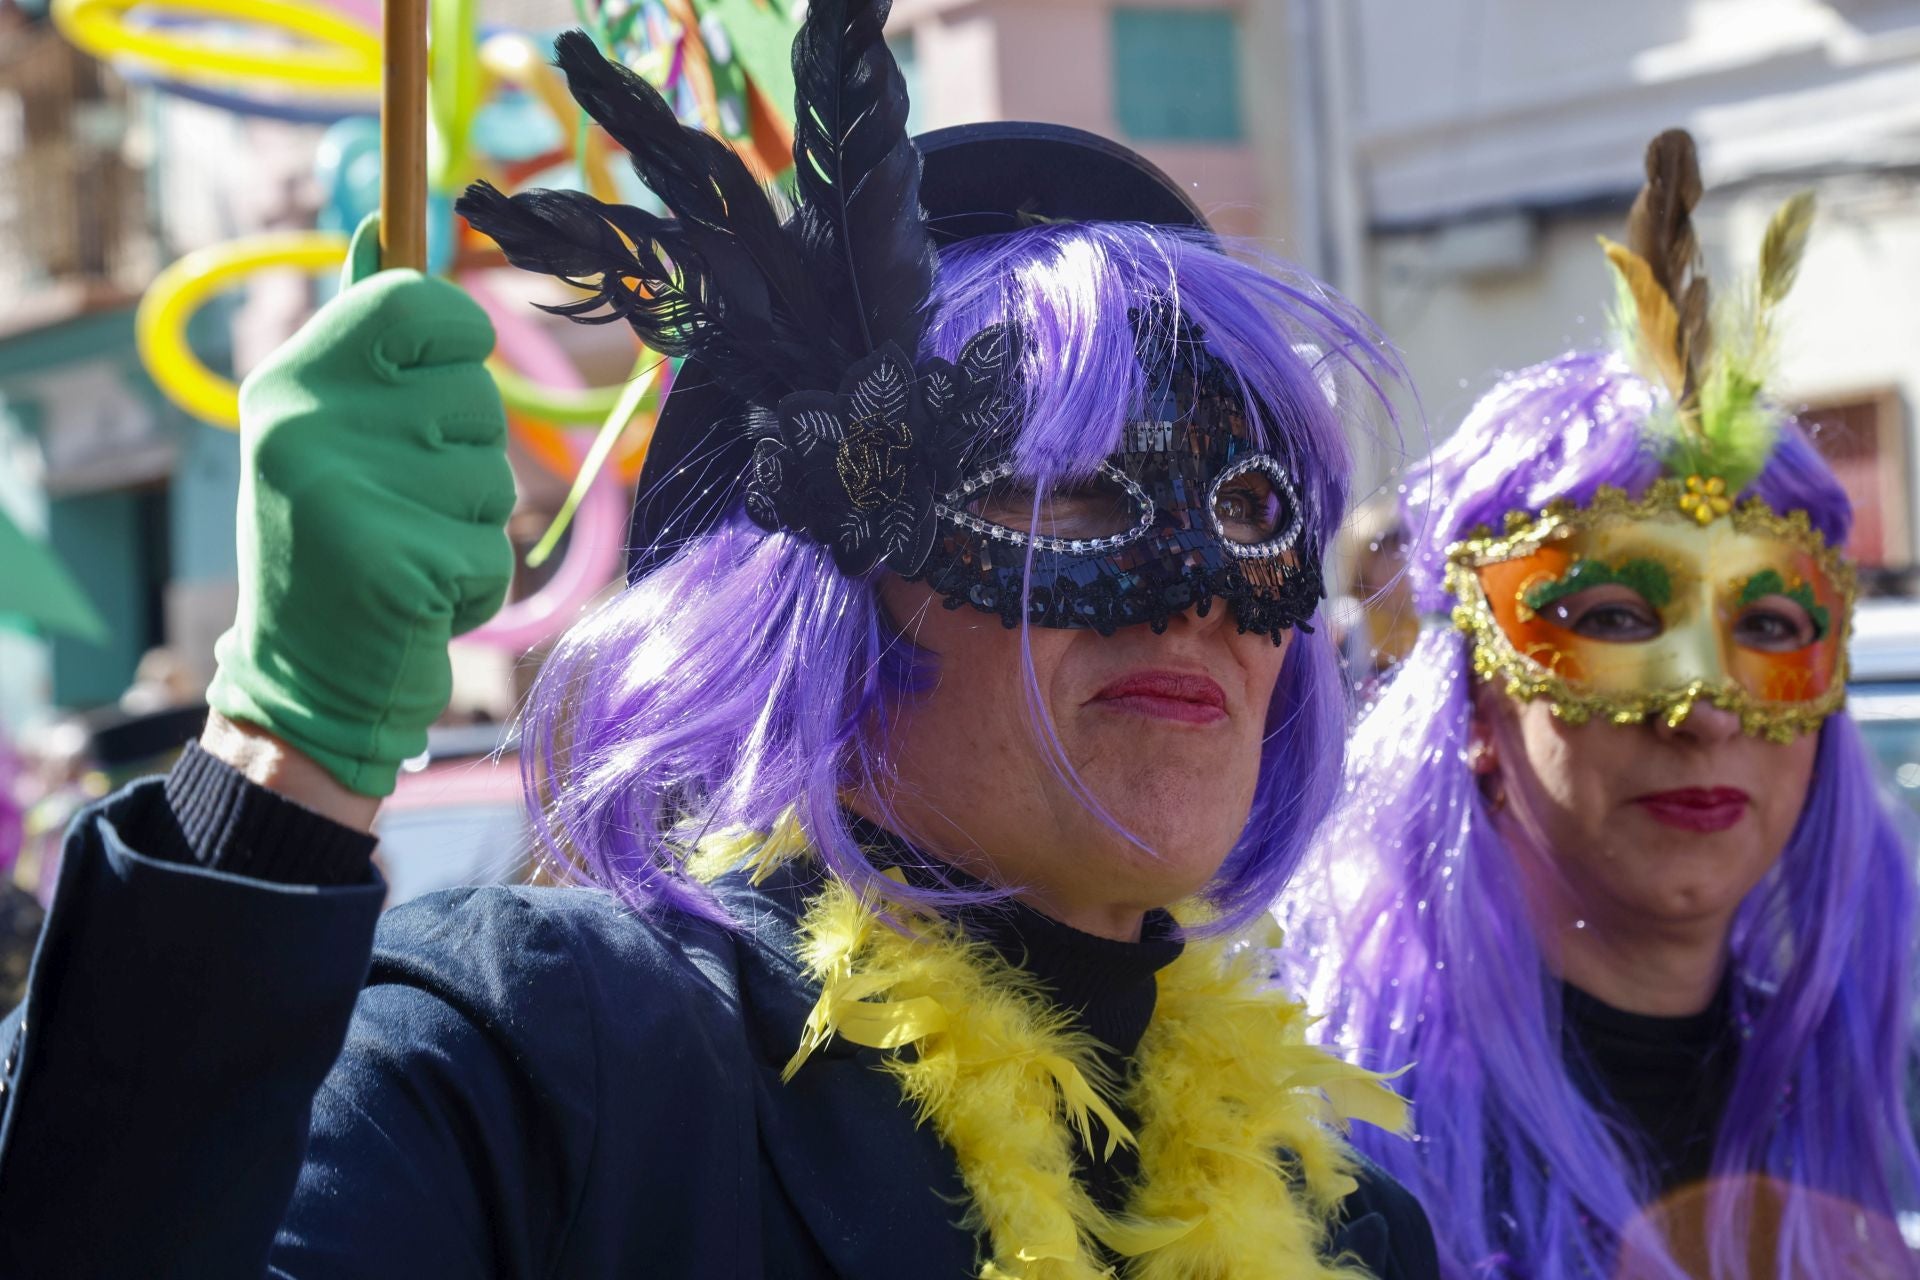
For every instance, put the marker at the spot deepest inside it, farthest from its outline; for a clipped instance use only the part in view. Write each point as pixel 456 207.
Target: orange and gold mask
pixel 1629 608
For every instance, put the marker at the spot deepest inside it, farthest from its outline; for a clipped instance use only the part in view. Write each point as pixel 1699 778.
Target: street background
pixel 1446 163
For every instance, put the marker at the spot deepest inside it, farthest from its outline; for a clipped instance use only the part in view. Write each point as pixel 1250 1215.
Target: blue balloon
pixel 347 167
pixel 514 127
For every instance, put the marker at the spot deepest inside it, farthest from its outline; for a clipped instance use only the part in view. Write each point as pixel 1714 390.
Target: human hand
pixel 373 502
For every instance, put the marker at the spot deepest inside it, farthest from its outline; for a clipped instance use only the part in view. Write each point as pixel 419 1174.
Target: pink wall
pixel 1052 60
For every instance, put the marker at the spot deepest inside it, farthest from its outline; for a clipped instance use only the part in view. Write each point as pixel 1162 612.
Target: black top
pixel 220 1073
pixel 1109 986
pixel 1666 1079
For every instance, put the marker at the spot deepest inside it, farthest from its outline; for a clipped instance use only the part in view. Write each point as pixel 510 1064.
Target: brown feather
pixel 1660 232
pixel 1657 322
pixel 1660 227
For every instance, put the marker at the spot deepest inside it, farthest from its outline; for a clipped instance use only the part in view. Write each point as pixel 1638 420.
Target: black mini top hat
pixel 975 180
pixel 773 311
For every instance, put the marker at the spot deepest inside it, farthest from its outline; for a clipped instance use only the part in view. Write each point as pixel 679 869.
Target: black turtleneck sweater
pixel 1108 986
pixel 1665 1079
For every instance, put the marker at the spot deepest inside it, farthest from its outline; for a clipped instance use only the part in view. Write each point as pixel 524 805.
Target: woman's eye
pixel 1248 509
pixel 1097 509
pixel 1774 624
pixel 1611 613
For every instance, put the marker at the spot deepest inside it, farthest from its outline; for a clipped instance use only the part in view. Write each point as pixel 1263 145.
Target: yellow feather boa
pixel 1240 1170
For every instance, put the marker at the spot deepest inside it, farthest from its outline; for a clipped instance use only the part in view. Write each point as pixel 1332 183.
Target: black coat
pixel 525 1083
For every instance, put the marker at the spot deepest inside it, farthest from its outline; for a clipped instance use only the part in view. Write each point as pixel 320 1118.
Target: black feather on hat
pixel 800 392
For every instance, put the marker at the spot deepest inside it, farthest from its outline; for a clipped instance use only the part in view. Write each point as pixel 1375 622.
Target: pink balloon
pixel 531 350
pixel 367 11
pixel 599 526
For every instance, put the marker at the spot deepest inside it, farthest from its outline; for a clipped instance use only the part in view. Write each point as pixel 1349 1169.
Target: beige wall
pixel 1849 331
pixel 1052 60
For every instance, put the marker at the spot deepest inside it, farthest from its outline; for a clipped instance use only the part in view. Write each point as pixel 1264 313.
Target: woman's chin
pixel 1178 860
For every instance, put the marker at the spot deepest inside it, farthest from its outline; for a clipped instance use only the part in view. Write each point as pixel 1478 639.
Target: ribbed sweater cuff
pixel 226 823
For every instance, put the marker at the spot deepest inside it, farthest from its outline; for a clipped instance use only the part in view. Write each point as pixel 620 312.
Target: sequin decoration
pixel 1694 581
pixel 1179 472
pixel 857 470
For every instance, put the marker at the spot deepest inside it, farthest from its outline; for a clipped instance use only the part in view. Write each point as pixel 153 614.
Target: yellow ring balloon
pixel 160 332
pixel 587 407
pixel 160 325
pixel 336 55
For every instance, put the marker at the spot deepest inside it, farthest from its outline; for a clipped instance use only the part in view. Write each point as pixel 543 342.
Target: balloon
pixel 567 406
pixel 517 127
pixel 365 12
pixel 291 110
pixel 599 533
pixel 517 61
pixel 347 167
pixel 160 330
pixel 453 91
pixel 329 53
pixel 160 325
pixel 529 351
pixel 593 560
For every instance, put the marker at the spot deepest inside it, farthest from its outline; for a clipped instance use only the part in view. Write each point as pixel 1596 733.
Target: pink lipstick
pixel 1697 808
pixel 1166 695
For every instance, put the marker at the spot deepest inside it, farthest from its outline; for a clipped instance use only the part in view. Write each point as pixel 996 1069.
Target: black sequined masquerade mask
pixel 801 394
pixel 1188 509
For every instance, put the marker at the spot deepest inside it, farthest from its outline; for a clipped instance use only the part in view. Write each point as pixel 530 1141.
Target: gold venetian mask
pixel 1629 608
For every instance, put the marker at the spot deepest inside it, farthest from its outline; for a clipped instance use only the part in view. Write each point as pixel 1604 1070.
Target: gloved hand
pixel 374 496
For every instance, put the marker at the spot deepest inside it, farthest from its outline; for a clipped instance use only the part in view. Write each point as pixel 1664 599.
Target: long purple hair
pixel 1417 920
pixel 746 675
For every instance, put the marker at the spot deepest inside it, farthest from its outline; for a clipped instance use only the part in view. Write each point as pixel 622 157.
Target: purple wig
pixel 746 675
pixel 1419 926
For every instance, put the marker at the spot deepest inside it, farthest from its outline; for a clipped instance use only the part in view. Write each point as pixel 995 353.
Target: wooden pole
pixel 403 136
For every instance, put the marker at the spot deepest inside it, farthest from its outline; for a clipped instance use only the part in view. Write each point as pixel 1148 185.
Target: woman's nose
pixel 1189 619
pixel 1704 723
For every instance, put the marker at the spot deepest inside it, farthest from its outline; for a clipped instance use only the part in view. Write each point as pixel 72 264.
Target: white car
pixel 1883 694
pixel 456 816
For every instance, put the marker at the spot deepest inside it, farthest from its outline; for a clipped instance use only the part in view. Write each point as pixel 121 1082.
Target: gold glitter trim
pixel 1494 656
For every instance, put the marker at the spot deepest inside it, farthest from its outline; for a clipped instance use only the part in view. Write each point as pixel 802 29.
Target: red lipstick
pixel 1166 695
pixel 1697 808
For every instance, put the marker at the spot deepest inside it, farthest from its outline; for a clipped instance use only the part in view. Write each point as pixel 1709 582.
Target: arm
pixel 177 1022
pixel 266 761
pixel 1384 1229
pixel 209 936
pixel 453 1136
pixel 269 1114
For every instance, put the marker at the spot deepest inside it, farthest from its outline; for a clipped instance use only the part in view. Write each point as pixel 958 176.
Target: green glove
pixel 373 502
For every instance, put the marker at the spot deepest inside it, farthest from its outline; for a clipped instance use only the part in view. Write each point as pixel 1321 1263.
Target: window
pixel 1863 440
pixel 1176 76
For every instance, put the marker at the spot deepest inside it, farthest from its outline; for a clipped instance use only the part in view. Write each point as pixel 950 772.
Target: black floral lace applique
pixel 859 470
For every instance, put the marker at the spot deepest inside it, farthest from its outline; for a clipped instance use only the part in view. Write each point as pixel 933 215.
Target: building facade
pixel 1479 146
pixel 1183 81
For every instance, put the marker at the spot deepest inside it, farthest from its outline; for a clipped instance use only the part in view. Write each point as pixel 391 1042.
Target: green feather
pixel 1738 425
pixel 1783 247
